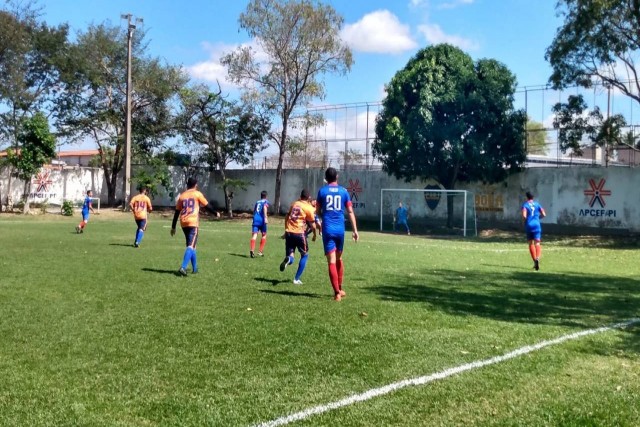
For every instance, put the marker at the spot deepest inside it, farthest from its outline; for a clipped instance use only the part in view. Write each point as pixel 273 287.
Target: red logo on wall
pixel 354 189
pixel 597 192
pixel 43 181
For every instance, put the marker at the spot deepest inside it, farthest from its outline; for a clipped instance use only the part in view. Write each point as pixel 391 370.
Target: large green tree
pixel 301 42
pixel 599 41
pixel 448 118
pixel 537 142
pixel 37 148
pixel 230 132
pixel 93 103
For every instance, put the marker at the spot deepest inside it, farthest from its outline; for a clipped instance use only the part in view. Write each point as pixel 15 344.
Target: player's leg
pixel 303 249
pixel 289 251
pixel 330 252
pixel 190 234
pixel 83 223
pixel 340 264
pixel 263 240
pixel 142 226
pixel 538 248
pixel 252 243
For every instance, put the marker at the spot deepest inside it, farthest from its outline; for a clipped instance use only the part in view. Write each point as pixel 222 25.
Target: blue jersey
pixel 401 214
pixel 258 211
pixel 86 204
pixel 332 201
pixel 533 214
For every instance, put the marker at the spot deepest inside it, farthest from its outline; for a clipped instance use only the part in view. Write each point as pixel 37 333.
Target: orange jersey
pixel 299 213
pixel 189 204
pixel 140 206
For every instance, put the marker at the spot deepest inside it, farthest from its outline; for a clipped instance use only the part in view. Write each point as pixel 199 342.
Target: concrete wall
pixel 578 196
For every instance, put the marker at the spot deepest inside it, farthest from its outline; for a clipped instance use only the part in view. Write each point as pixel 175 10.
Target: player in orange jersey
pixel 188 210
pixel 301 215
pixel 140 206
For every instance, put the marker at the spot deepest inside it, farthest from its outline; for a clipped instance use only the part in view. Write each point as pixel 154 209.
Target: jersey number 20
pixel 334 203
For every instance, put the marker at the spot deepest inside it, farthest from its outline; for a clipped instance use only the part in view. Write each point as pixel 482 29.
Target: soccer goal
pixel 429 211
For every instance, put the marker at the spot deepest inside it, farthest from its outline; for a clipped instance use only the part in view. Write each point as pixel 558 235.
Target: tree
pixel 301 42
pixel 351 157
pixel 574 124
pixel 30 54
pixel 450 119
pixel 93 103
pixel 597 42
pixel 37 148
pixel 152 173
pixel 230 131
pixel 536 138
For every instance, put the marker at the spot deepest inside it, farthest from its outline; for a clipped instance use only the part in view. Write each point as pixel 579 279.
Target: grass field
pixel 96 333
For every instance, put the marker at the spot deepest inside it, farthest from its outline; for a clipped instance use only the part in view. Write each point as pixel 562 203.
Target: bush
pixel 67 208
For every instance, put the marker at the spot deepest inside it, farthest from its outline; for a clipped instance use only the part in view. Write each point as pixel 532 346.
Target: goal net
pixel 428 211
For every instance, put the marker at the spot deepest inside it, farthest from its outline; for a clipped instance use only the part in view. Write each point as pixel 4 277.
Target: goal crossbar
pixel 426 190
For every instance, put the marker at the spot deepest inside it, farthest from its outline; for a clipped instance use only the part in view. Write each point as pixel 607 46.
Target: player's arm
pixel 310 218
pixel 524 214
pixel 176 215
pixel 352 219
pixel 204 203
pixel 91 207
pixel 265 213
pixel 542 212
pixel 149 207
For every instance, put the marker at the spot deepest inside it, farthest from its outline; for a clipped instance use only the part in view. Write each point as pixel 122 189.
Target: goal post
pixel 430 211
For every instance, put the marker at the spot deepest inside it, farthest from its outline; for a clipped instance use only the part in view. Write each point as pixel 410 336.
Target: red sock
pixel 538 251
pixel 333 276
pixel 263 242
pixel 532 251
pixel 340 269
pixel 252 245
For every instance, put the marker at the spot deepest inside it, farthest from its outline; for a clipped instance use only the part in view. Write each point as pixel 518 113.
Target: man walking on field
pixel 301 215
pixel 86 208
pixel 140 206
pixel 259 224
pixel 332 202
pixel 532 212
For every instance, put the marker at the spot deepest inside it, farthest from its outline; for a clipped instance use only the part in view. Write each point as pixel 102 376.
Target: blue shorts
pixel 332 242
pixel 295 241
pixel 191 234
pixel 534 234
pixel 259 228
pixel 142 224
pixel 85 216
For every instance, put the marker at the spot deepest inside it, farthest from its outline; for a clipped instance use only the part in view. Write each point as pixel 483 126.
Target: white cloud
pixel 434 35
pixel 378 32
pixel 453 4
pixel 418 3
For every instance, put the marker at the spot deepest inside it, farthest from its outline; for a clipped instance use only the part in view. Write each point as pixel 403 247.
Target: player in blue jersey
pixel 332 203
pixel 532 212
pixel 86 208
pixel 400 218
pixel 260 221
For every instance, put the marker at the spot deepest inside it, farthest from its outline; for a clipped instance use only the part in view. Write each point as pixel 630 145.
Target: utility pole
pixel 131 26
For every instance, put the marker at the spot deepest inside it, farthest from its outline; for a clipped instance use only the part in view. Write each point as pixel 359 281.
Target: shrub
pixel 67 208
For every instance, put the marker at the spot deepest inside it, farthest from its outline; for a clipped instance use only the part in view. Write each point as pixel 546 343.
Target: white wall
pixel 576 196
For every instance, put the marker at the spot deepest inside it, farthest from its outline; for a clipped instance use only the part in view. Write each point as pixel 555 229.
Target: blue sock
pixel 291 259
pixel 194 261
pixel 139 235
pixel 186 258
pixel 301 266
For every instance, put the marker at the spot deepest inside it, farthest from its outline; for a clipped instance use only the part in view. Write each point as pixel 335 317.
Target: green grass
pixel 96 333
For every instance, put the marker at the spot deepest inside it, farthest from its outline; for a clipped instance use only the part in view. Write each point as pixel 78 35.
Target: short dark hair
pixel 529 195
pixel 331 175
pixel 263 194
pixel 304 194
pixel 192 182
pixel 88 191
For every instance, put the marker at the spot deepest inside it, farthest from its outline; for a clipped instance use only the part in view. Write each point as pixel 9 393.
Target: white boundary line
pixel 375 392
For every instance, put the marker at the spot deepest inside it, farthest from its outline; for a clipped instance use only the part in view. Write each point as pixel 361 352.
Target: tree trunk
pixel 449 210
pixel 111 188
pixel 276 199
pixel 27 190
pixel 9 201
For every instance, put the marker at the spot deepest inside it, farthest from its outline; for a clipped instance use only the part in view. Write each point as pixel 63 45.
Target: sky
pixel 383 35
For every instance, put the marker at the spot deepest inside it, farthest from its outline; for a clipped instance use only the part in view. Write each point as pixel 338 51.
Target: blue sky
pixel 382 34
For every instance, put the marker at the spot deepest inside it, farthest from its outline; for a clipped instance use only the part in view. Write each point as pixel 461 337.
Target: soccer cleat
pixel 252 254
pixel 260 254
pixel 337 297
pixel 136 245
pixel 182 272
pixel 81 230
pixel 77 229
pixel 194 272
pixel 536 264
pixel 297 282
pixel 284 264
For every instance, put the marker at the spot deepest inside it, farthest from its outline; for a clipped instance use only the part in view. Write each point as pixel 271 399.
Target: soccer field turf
pixel 96 332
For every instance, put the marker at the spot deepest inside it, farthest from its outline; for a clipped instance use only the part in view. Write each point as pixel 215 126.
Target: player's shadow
pixel 128 245
pixel 272 282
pixel 240 255
pixel 290 293
pixel 161 270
